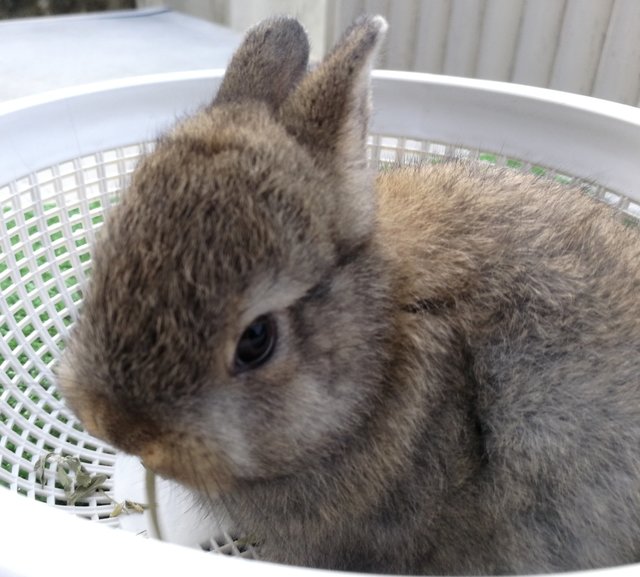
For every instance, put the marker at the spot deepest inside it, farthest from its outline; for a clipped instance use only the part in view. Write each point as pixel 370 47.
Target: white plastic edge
pixel 38 540
pixel 43 130
pixel 595 139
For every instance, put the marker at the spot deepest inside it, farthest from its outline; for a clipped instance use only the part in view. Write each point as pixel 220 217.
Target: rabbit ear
pixel 269 63
pixel 329 110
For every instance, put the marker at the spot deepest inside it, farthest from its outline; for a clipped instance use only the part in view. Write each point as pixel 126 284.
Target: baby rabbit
pixel 437 371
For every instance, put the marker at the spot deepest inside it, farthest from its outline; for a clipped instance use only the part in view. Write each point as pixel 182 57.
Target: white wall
pixel 584 46
pixel 312 14
pixel 241 14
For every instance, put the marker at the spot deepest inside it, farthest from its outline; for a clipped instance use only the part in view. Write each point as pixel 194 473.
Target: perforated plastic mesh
pixel 226 544
pixel 392 150
pixel 48 223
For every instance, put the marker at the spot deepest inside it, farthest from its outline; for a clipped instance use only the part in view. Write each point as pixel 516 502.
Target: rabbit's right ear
pixel 270 62
pixel 328 113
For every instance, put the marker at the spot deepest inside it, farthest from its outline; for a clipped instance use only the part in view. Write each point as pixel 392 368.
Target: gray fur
pixel 456 385
pixel 271 61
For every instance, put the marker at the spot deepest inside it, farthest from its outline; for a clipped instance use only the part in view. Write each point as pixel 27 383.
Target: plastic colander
pixel 65 158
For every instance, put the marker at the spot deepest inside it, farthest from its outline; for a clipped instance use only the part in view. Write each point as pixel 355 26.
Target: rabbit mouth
pixel 192 463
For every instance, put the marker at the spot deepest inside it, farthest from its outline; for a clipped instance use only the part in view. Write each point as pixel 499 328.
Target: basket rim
pixel 609 108
pixel 623 112
pixel 59 535
pixel 593 139
pixel 596 140
pixel 25 102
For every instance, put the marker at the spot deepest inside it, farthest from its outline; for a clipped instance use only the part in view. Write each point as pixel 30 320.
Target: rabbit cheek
pixel 299 425
pixel 227 424
pixel 259 425
pixel 321 417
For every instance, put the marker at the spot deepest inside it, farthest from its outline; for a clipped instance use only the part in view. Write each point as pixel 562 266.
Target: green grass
pixel 512 163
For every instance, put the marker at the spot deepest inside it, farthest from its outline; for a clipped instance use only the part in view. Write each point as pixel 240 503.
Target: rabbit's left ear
pixel 268 64
pixel 328 112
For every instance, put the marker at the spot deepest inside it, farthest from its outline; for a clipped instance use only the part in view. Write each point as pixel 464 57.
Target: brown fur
pixel 456 383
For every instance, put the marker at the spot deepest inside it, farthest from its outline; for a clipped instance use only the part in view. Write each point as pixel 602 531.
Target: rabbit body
pixel 455 385
pixel 535 356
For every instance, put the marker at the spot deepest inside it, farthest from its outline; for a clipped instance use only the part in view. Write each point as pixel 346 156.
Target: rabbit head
pixel 233 324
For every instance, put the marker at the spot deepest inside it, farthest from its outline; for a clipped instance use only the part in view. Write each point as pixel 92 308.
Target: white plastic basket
pixel 64 159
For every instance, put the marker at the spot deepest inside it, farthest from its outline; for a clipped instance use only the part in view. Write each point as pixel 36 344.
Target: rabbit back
pixel 536 288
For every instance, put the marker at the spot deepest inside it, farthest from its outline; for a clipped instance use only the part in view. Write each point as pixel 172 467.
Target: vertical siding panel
pixel 348 11
pixel 342 13
pixel 581 38
pixel 373 7
pixel 618 76
pixel 331 18
pixel 312 14
pixel 214 10
pixel 402 32
pixel 539 38
pixel 244 14
pixel 584 46
pixel 499 38
pixel 464 36
pixel 431 35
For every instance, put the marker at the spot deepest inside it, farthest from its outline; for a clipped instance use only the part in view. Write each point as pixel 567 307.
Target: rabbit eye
pixel 257 343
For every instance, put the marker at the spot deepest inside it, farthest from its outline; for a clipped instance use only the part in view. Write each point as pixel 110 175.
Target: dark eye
pixel 256 344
